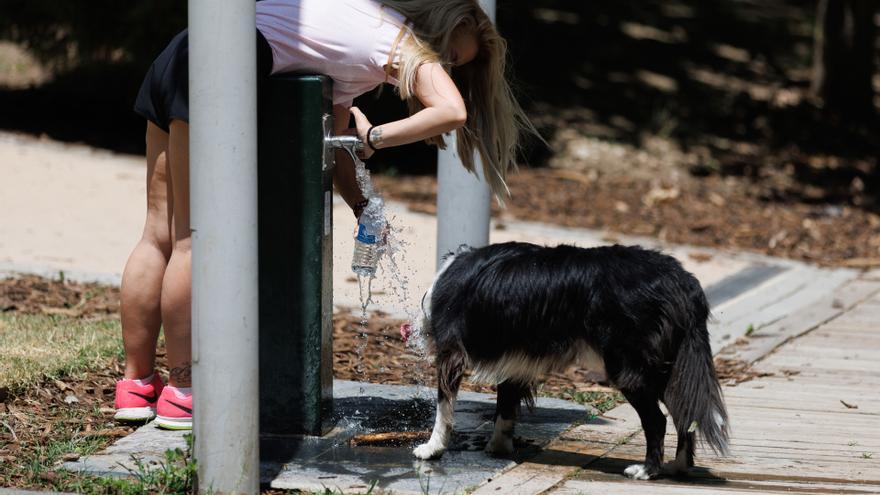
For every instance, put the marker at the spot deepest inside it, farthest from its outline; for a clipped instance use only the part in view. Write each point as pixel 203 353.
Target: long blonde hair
pixel 495 118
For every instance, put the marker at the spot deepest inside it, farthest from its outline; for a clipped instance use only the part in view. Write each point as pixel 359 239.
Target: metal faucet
pixel 351 144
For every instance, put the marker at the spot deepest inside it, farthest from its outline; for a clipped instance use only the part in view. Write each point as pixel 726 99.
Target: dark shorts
pixel 164 94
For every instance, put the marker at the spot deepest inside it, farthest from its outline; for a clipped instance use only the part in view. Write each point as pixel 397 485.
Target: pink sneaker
pixel 136 402
pixel 174 411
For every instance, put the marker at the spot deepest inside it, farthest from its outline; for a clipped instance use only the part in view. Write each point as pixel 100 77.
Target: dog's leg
pixel 442 433
pixel 506 409
pixel 684 455
pixel 450 369
pixel 654 424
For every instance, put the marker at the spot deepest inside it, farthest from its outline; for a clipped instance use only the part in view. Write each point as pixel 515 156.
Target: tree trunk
pixel 843 63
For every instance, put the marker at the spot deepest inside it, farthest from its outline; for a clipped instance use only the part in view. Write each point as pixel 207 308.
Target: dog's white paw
pixel 637 472
pixel 500 445
pixel 428 450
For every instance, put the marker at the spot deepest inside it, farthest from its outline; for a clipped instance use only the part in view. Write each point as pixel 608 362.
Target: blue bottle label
pixel 363 236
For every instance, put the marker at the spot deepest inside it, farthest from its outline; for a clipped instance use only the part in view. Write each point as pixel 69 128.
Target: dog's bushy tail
pixel 693 394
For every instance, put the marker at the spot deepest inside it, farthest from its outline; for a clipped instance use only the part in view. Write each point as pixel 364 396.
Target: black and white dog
pixel 513 312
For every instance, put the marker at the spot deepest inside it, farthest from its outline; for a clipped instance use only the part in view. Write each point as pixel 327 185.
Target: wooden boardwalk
pixel 811 426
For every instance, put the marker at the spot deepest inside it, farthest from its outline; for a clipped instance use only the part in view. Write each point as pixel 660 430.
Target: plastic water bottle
pixel 371 227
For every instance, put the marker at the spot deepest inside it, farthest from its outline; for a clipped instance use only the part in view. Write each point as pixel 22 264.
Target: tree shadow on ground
pixel 90 105
pixel 730 77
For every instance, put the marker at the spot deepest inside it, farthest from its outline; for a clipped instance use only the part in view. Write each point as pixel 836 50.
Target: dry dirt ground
pixel 733 212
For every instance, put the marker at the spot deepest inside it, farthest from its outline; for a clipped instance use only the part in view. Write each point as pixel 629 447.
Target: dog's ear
pixel 462 248
pixel 424 297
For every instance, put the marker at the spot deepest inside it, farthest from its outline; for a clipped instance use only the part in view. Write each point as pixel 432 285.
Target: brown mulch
pixel 385 358
pixel 732 372
pixel 713 211
pixel 375 353
pixel 30 294
pixel 75 408
pixel 56 410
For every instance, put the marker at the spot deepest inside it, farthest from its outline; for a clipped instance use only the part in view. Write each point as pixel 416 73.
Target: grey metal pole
pixel 463 200
pixel 223 187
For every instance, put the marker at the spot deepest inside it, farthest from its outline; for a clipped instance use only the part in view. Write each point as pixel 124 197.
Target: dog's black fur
pixel 639 310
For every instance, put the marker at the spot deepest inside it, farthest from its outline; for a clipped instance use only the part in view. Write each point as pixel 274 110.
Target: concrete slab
pixel 147 445
pixel 309 463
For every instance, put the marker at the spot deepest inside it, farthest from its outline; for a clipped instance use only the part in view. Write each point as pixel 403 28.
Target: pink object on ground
pixel 405 331
pixel 136 402
pixel 174 411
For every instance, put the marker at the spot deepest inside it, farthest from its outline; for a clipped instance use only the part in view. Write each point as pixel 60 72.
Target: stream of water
pixel 391 256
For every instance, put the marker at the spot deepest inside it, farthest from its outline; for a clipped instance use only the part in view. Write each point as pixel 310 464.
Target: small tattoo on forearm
pixel 182 375
pixel 376 136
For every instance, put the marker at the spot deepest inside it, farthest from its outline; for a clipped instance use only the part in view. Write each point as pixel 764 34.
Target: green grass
pixel 175 475
pixel 37 457
pixel 36 347
pixel 602 401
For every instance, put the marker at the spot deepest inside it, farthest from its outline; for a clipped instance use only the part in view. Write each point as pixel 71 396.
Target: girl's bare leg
pixel 176 286
pixel 145 268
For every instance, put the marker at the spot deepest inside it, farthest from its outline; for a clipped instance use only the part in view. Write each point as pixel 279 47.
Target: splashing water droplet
pixel 390 254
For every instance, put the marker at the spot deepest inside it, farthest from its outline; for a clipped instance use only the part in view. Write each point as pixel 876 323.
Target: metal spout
pixel 351 144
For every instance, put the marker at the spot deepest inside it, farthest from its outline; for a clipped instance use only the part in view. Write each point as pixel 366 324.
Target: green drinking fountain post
pixel 295 255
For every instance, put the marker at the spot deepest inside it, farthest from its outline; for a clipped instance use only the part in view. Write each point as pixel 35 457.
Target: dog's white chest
pixel 523 368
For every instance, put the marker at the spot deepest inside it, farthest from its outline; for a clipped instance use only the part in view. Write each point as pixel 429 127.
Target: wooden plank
pixel 828 365
pixel 710 487
pixel 790 432
pixel 816 313
pixel 853 349
pixel 776 299
pixel 526 479
pixel 758 465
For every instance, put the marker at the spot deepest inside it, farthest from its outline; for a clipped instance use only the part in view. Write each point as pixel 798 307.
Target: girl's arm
pixel 343 175
pixel 444 111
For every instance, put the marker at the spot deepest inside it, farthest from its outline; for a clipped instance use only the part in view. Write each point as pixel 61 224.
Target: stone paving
pixel 311 463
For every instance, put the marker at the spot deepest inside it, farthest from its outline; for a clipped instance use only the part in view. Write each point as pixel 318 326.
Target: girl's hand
pixel 363 126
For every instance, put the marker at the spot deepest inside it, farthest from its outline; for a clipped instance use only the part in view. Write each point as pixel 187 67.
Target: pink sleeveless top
pixel 348 40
